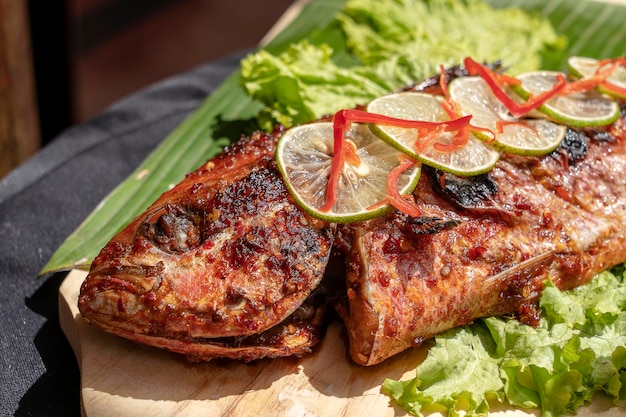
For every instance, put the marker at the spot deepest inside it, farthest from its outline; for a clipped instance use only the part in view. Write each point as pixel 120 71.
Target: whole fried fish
pixel 226 265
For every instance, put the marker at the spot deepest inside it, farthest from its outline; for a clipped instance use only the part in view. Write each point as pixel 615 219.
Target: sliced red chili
pixel 426 139
pixel 341 124
pixel 501 123
pixel 404 203
pixel 495 81
pixel 605 69
pixel 614 89
pixel 453 111
pixel 609 85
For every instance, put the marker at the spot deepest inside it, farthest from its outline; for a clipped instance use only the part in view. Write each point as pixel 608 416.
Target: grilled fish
pixel 226 265
pixel 484 246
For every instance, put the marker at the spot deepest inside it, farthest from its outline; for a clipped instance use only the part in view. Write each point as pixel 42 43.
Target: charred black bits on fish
pixel 242 251
pixel 250 196
pixel 575 144
pixel 427 225
pixel 176 230
pixel 432 84
pixel 466 192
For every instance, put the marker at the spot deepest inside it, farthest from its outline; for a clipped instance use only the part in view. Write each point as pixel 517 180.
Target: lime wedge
pixel 585 109
pixel 584 67
pixel 473 159
pixel 511 135
pixel 304 155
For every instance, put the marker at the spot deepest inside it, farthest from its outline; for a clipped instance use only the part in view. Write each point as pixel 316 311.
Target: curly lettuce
pixel 390 43
pixel 578 349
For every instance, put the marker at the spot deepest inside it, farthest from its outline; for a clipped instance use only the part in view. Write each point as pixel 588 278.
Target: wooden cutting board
pixel 121 378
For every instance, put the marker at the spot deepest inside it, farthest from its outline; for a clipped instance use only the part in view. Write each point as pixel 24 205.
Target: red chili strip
pixel 404 203
pixel 460 140
pixel 607 84
pixel 501 123
pixel 614 89
pixel 341 123
pixel 450 106
pixel 599 78
pixel 361 116
pixel 495 80
pixel 426 139
pixel 454 112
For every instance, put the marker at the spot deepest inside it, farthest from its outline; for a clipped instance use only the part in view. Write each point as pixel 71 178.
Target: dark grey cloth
pixel 42 202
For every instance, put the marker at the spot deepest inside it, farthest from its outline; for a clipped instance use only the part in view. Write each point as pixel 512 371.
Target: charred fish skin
pixel 226 265
pixel 560 217
pixel 224 255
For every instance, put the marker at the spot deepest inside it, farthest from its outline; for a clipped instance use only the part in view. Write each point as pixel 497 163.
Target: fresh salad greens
pixel 392 44
pixel 578 349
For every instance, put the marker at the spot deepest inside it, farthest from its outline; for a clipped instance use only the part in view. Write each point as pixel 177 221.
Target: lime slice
pixel 473 159
pixel 304 155
pixel 584 67
pixel 586 109
pixel 512 135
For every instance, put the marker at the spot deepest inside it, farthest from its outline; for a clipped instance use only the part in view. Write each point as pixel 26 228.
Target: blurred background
pixel 64 61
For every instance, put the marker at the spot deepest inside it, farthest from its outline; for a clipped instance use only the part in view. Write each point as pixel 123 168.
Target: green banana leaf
pixel 593 29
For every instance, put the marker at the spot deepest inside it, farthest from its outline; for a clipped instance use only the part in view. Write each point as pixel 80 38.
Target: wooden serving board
pixel 121 378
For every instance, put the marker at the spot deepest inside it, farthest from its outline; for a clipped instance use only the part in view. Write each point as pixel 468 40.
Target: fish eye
pixel 174 229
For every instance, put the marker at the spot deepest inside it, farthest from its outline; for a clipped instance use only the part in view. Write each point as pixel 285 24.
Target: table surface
pixel 43 201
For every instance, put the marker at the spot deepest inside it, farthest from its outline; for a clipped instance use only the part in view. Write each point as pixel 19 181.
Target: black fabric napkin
pixel 43 201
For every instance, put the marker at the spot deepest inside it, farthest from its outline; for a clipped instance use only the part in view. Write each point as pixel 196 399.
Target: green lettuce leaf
pixel 463 362
pixel 577 349
pixel 302 83
pixel 392 44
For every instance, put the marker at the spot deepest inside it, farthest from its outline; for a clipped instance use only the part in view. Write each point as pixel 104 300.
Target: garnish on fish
pixel 227 264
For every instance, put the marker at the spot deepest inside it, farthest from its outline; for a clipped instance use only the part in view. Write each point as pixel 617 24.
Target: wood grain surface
pixel 121 378
pixel 19 121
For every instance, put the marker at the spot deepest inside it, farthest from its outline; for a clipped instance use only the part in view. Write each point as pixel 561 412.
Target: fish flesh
pixel 222 265
pixel 409 279
pixel 225 264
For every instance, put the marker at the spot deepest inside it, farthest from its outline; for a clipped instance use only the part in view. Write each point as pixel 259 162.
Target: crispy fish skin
pixel 560 217
pixel 220 265
pixel 226 265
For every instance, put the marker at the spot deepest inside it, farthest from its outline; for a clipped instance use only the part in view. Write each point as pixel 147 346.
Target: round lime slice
pixel 511 135
pixel 472 159
pixel 584 67
pixel 585 109
pixel 304 155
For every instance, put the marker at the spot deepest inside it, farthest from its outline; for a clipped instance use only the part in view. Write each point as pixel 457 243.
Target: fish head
pixel 225 253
